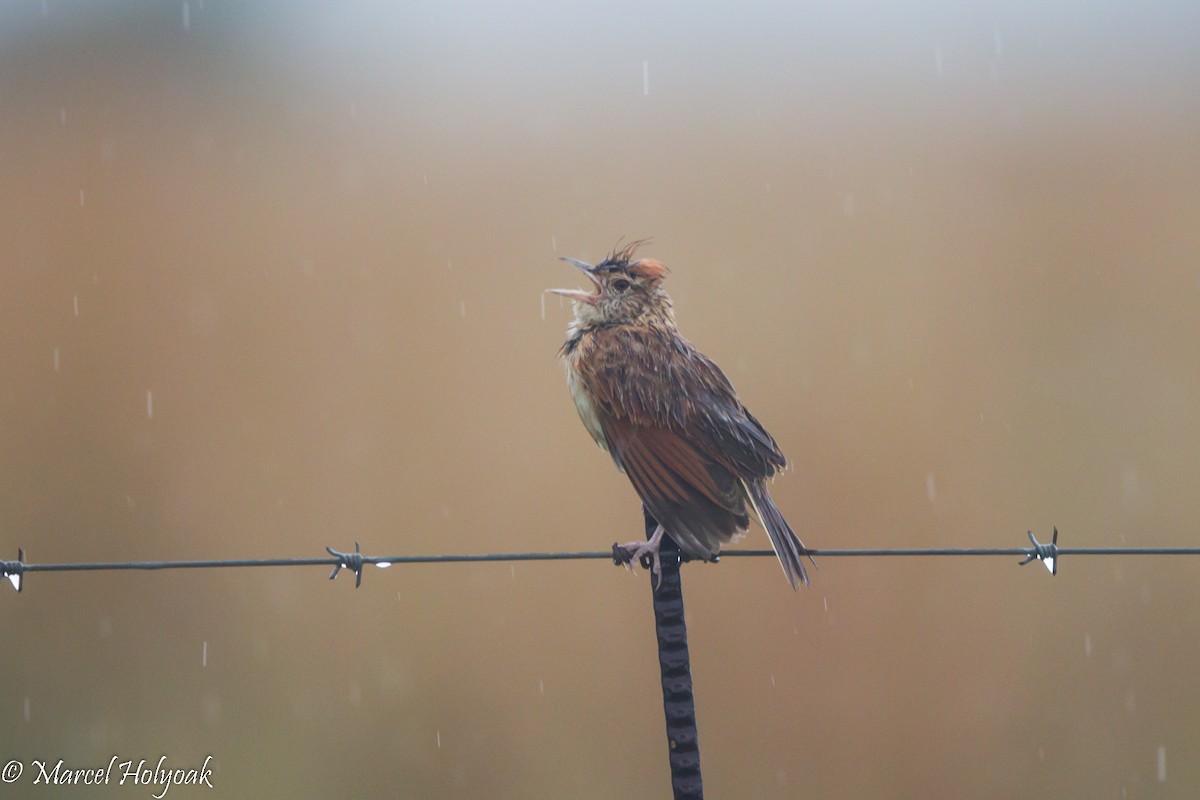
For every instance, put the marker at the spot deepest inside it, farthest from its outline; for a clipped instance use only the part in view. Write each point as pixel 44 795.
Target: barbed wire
pixel 1048 553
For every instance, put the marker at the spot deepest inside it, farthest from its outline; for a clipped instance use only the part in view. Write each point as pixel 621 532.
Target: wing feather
pixel 674 424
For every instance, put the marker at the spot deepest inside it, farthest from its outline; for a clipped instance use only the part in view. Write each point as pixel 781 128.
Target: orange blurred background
pixel 272 280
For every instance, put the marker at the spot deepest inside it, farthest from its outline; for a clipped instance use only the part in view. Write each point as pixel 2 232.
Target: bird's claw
pixel 644 553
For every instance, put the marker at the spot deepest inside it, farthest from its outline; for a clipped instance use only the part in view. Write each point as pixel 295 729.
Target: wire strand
pixel 586 555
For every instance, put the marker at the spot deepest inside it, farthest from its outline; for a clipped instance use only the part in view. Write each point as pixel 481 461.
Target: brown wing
pixel 675 426
pixel 699 502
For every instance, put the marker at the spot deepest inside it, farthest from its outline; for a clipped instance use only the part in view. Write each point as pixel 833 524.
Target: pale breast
pixel 587 411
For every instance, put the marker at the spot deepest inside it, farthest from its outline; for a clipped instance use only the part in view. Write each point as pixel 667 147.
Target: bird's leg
pixel 632 553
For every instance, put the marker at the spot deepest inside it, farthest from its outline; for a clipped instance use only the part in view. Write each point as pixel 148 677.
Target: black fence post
pixel 679 705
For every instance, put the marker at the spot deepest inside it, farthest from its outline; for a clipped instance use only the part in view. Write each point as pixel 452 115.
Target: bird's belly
pixel 587 411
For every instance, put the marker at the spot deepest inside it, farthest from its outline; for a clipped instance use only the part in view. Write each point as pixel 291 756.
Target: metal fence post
pixel 679 705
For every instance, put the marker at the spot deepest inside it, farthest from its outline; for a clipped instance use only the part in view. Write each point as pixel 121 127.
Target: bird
pixel 669 417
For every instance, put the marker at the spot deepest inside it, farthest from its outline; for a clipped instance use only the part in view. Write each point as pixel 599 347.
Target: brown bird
pixel 669 417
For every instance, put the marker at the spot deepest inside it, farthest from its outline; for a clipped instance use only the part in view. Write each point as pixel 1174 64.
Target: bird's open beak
pixel 581 295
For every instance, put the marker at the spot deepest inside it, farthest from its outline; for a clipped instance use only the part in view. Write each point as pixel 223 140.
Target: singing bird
pixel 669 417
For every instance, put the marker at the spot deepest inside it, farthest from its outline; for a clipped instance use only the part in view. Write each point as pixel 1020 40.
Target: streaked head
pixel 624 289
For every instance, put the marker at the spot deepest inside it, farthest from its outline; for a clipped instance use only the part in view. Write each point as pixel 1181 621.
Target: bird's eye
pixel 620 284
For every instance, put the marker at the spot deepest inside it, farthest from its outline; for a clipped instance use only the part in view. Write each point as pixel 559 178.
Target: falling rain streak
pixel 187 16
pixel 204 655
pixel 543 296
pixel 149 404
pixel 1162 764
pixel 81 197
pixel 56 359
pixel 75 302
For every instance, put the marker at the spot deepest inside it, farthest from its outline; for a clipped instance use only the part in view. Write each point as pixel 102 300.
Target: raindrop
pixel 425 179
pixel 62 115
pixel 1131 486
pixel 541 686
pixel 826 601
pixel 553 244
pixel 56 359
pixel 1087 645
pixel 204 655
pixel 937 60
pixel 81 197
pixel 513 570
pixel 187 16
pixel 27 708
pixel 772 680
pixel 931 488
pixel 383 564
pixel 149 404
pixel 75 302
pixel 449 265
pixel 1162 764
pixel 646 78
pixel 462 307
pixel 212 709
pixel 543 295
pixel 439 739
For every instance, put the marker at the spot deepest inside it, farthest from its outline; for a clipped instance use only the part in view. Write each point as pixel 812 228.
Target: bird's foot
pixel 645 553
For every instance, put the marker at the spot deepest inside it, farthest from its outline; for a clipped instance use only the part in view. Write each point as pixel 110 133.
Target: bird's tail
pixel 788 548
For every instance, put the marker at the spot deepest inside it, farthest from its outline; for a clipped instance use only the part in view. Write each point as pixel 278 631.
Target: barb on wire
pixel 351 561
pixel 13 571
pixel 1045 553
pixel 1049 553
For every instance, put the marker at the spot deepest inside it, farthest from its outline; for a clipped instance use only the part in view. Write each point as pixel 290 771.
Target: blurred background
pixel 272 279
